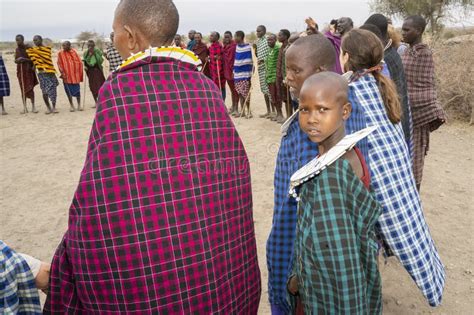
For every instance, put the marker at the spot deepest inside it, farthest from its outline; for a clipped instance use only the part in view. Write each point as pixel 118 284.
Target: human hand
pixel 310 22
pixel 292 285
pixel 42 278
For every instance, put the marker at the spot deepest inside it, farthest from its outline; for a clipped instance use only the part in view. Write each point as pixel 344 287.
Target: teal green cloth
pixel 271 64
pixel 335 257
pixel 96 59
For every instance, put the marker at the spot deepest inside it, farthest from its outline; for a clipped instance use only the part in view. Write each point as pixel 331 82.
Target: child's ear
pixel 346 111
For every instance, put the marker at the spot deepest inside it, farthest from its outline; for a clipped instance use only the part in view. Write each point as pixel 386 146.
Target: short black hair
pixel 228 33
pixel 381 22
pixel 418 21
pixel 198 33
pixel 39 36
pixel 333 22
pixel 21 36
pixel 240 34
pixel 262 26
pixel 218 35
pixel 157 20
pixel 316 49
pixel 286 33
pixel 374 29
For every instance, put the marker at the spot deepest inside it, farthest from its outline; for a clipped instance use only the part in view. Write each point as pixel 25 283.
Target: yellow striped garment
pixel 42 58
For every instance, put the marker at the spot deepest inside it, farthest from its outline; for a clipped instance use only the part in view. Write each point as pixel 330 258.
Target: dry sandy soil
pixel 42 155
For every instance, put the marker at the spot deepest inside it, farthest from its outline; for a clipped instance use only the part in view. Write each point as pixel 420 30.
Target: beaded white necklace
pixel 319 163
pixel 177 53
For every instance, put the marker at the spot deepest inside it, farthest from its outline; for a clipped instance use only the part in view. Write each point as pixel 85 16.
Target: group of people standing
pixel 35 65
pixel 162 218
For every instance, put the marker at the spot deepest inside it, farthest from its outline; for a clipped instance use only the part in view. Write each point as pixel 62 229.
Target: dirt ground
pixel 42 155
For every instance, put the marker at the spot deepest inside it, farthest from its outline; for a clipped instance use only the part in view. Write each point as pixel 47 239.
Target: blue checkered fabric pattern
pixel 18 293
pixel 4 80
pixel 295 151
pixel 402 223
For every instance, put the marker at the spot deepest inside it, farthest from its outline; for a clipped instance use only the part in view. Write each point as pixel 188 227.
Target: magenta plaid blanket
pixel 161 222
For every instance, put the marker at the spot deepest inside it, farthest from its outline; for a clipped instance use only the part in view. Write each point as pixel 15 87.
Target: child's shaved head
pixel 316 50
pixel 307 56
pixel 324 108
pixel 157 20
pixel 330 81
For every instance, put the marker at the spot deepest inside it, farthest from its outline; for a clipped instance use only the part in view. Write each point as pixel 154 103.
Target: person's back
pixel 161 221
pixel 402 225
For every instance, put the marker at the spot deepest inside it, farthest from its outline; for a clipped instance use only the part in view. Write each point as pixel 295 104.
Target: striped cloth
pixel 262 53
pixel 70 66
pixel 114 58
pixel 42 58
pixel 295 151
pixel 161 221
pixel 271 64
pixel 336 247
pixel 243 63
pixel 18 293
pixel 402 224
pixel 4 80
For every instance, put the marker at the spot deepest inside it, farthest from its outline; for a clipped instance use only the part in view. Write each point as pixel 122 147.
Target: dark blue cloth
pixel 191 45
pixel 4 81
pixel 72 89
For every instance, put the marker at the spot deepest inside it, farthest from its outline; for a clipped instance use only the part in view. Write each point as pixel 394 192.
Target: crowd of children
pixel 346 183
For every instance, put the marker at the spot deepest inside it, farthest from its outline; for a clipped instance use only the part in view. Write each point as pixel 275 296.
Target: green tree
pixel 434 11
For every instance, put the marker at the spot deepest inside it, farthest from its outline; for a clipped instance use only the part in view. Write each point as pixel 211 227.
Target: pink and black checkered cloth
pixel 161 222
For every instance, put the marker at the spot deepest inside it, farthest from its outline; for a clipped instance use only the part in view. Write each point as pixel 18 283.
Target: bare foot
pixel 24 112
pixel 4 113
pixel 264 115
pixel 72 109
pixel 35 111
pixel 49 112
pixel 55 111
pixel 80 109
pixel 280 119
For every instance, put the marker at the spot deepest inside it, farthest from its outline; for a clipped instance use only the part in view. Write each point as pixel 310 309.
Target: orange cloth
pixel 70 66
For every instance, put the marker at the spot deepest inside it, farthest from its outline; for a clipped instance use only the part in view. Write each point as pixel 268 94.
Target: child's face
pixel 297 70
pixel 322 111
pixel 271 41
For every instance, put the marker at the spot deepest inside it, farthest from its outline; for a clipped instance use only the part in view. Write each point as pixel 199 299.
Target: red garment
pixel 366 173
pixel 161 221
pixel 25 73
pixel 202 52
pixel 70 66
pixel 216 64
pixel 228 55
pixel 96 79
